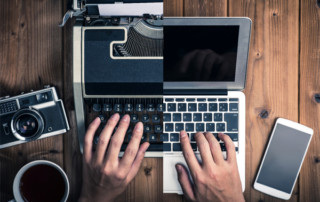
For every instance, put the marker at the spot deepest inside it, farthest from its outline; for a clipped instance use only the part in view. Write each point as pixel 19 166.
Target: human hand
pixel 215 179
pixel 105 175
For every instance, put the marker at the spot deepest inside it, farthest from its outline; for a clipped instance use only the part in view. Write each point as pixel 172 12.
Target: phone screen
pixel 283 158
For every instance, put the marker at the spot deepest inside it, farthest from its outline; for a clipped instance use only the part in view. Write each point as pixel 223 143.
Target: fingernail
pixel 96 120
pixel 183 134
pixel 125 118
pixel 114 117
pixel 138 127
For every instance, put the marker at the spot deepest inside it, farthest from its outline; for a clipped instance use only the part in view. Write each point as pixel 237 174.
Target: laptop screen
pixel 200 53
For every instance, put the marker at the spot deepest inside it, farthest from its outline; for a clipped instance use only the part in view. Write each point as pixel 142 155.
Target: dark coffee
pixel 42 183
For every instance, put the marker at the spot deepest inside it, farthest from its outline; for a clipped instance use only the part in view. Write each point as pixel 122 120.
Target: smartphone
pixel 283 158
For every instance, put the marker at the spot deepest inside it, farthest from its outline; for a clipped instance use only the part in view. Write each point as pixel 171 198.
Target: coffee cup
pixel 41 181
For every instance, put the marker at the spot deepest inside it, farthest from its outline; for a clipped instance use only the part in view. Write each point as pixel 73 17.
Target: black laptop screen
pixel 200 53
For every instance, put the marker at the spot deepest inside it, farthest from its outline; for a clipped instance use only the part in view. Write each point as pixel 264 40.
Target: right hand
pixel 215 179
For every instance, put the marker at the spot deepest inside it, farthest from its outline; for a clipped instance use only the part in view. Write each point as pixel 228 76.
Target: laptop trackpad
pixel 170 177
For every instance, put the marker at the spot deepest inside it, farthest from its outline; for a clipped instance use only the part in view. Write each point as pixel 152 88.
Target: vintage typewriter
pixel 118 67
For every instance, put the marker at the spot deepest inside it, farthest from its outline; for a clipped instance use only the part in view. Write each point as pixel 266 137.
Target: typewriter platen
pixel 118 68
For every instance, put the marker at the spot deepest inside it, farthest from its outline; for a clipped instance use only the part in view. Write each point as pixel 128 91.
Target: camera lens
pixel 27 125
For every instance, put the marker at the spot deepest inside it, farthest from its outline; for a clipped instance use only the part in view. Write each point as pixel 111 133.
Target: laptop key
pixel 233 136
pixel 209 127
pixel 222 99
pixel 179 127
pixel 202 107
pixel 213 107
pixel 191 99
pixel 217 116
pixel 221 127
pixel 169 127
pixel 197 117
pixel 194 146
pixel 156 147
pixel 174 137
pixel 233 107
pixel 200 127
pixel 179 99
pixel 233 99
pixel 164 137
pixel 201 99
pixel 192 107
pixel 166 146
pixel 182 107
pixel 189 127
pixel 232 121
pixel 192 137
pixel 166 117
pixel 223 107
pixel 207 117
pixel 212 99
pixel 186 117
pixel 169 99
pixel 176 117
pixel 176 147
pixel 171 107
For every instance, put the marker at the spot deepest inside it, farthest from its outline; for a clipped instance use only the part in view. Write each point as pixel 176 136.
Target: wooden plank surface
pixel 310 96
pixel 272 77
pixel 30 52
pixel 35 52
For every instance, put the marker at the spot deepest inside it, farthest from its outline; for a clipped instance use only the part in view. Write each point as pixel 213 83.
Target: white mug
pixel 16 183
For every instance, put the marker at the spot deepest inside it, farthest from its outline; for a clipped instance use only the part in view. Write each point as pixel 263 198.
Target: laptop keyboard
pixel 148 111
pixel 199 114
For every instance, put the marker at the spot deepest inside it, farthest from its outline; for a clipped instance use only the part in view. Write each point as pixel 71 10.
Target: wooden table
pixel 283 80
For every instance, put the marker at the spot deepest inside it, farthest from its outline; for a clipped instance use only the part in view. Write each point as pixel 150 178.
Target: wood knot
pixel 147 171
pixel 258 54
pixel 264 114
pixel 317 97
pixel 53 151
pixel 22 24
pixel 317 159
pixel 13 33
pixel 275 13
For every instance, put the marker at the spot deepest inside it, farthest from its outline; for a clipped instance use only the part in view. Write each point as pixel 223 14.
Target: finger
pixel 132 148
pixel 188 154
pixel 184 180
pixel 105 137
pixel 88 139
pixel 231 151
pixel 214 148
pixel 204 149
pixel 117 139
pixel 137 161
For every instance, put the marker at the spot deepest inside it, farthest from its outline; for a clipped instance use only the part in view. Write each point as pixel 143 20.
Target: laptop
pixel 205 64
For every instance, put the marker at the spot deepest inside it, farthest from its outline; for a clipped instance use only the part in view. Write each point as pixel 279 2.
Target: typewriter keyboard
pixel 148 111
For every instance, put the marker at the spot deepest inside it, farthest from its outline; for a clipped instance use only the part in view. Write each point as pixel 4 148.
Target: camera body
pixel 31 116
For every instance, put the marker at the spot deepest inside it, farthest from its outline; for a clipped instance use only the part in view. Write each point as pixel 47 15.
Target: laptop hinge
pixel 195 92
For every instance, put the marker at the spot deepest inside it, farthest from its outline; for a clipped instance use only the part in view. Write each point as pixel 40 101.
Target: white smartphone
pixel 283 158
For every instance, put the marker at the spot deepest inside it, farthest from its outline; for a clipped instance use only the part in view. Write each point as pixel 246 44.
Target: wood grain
pixel 172 8
pixel 272 77
pixel 310 96
pixel 205 8
pixel 30 52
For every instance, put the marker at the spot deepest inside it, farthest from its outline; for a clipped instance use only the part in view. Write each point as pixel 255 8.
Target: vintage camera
pixel 31 116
